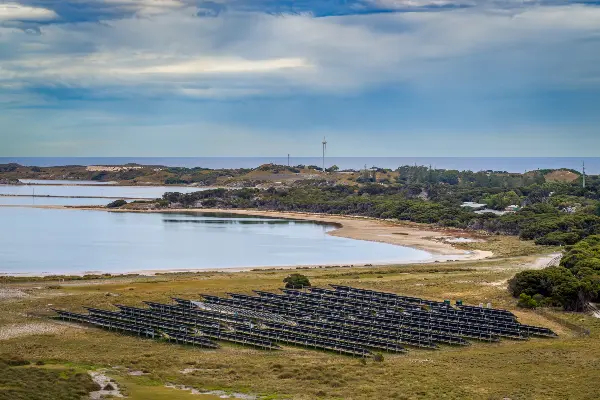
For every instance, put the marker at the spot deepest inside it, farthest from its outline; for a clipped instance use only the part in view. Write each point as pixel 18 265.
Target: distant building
pixel 472 204
pixel 512 208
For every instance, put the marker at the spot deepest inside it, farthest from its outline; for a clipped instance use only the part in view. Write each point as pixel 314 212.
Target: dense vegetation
pixel 116 203
pixel 550 213
pixel 20 381
pixel 127 174
pixel 571 285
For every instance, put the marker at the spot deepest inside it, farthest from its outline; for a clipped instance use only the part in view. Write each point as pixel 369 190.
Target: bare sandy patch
pixel 10 293
pixel 109 388
pixel 500 283
pixel 19 330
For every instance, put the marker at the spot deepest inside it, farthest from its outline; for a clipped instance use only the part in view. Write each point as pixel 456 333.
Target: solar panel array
pixel 344 320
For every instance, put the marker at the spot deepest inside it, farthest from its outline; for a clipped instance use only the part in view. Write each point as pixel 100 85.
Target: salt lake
pixel 130 192
pixel 42 241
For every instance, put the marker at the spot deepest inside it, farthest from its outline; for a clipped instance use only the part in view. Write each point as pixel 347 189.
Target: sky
pixel 265 77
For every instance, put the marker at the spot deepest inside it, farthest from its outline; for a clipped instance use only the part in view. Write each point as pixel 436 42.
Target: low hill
pixel 562 175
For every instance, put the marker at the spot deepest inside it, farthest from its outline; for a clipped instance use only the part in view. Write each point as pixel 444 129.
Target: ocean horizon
pixel 509 164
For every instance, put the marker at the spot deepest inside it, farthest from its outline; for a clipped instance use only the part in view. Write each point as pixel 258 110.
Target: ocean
pixel 510 164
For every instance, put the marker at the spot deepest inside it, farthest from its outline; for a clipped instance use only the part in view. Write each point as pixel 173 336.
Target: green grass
pixel 562 368
pixel 142 388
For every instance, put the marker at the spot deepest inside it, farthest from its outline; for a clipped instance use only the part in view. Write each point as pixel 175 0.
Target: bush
pixel 99 176
pixel 525 301
pixel 116 204
pixel 378 357
pixel 175 181
pixel 554 285
pixel 44 383
pixel 17 361
pixel 558 239
pixel 296 281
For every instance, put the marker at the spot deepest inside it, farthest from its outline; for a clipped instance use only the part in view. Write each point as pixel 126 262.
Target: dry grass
pixel 506 246
pixel 537 369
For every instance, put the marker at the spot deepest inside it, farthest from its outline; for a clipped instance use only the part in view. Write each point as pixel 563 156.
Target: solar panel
pixel 345 320
pixel 192 321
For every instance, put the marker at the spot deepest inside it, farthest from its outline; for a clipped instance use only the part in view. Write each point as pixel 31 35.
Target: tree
pixel 502 200
pixel 296 281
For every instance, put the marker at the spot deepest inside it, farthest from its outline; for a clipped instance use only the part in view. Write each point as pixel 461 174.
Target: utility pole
pixel 288 160
pixel 584 174
pixel 324 149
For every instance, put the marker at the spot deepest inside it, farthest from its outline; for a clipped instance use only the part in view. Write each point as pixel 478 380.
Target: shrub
pixel 17 361
pixel 378 357
pixel 525 301
pixel 555 285
pixel 175 181
pixel 296 281
pixel 116 204
pixel 558 239
pixel 99 176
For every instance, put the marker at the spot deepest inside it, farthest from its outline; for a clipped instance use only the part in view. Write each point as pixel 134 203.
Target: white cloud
pixel 406 4
pixel 241 54
pixel 217 66
pixel 119 65
pixel 18 12
pixel 147 7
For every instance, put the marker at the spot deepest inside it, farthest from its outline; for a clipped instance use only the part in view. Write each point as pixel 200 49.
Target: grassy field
pixel 562 368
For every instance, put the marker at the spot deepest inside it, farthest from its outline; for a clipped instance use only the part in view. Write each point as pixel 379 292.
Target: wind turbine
pixel 324 149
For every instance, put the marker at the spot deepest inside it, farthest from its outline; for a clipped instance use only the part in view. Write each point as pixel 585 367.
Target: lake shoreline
pixel 358 228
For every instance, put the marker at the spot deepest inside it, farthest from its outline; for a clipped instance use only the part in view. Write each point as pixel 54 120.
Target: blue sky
pixel 266 77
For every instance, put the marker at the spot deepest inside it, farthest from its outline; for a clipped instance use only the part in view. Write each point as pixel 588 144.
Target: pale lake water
pixel 52 201
pixel 131 192
pixel 40 241
pixel 62 182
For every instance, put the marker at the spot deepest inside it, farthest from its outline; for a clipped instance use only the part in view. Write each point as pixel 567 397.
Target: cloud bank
pixel 179 51
pixel 420 53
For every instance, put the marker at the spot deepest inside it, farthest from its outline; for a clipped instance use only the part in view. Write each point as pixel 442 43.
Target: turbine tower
pixel 324 149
